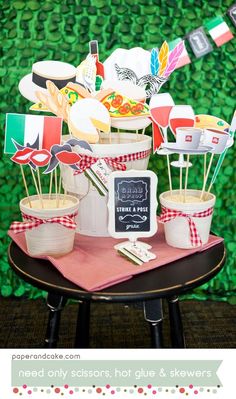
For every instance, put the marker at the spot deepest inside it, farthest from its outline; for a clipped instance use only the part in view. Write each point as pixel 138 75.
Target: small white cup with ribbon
pixel 49 230
pixel 186 224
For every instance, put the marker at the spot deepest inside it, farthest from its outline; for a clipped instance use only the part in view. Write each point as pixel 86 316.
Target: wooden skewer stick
pixel 205 165
pixel 118 131
pixel 65 191
pixel 99 136
pixel 36 185
pixel 60 180
pixel 186 178
pixel 64 197
pixel 50 185
pixel 55 179
pixel 59 192
pixel 180 181
pixel 169 173
pixel 210 187
pixel 110 136
pixel 25 184
pixel 40 188
pixel 207 174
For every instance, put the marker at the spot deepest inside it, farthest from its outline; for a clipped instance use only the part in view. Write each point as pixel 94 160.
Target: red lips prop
pixel 64 154
pixel 22 157
pixel 40 157
pixel 68 158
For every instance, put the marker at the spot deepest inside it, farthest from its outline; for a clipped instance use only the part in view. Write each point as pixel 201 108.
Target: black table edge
pixel 106 296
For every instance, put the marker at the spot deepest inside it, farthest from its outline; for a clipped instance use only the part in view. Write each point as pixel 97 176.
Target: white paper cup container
pixel 50 238
pixel 177 232
pixel 93 211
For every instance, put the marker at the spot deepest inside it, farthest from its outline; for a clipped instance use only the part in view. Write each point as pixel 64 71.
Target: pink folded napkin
pixel 94 264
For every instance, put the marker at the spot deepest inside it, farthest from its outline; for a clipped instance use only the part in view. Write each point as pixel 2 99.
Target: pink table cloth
pixel 94 264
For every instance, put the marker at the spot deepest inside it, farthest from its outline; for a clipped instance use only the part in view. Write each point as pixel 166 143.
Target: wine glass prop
pixel 160 107
pixel 181 116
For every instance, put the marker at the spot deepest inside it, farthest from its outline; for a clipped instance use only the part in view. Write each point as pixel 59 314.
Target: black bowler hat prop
pixel 60 73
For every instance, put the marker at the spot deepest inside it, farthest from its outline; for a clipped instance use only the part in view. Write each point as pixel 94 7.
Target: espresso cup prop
pixel 188 137
pixel 216 139
pixel 186 224
pixel 51 230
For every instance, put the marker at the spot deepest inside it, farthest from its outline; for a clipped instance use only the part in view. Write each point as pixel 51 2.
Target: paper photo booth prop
pixel 60 73
pixel 27 130
pixel 162 64
pixel 132 204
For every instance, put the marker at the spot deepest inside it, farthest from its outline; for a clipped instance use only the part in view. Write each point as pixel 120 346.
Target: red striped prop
pixel 31 222
pixel 170 214
pixel 116 163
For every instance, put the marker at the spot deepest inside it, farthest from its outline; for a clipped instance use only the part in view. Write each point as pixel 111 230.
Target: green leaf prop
pixel 98 82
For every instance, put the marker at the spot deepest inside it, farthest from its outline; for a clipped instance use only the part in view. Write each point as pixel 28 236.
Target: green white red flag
pixel 27 129
pixel 219 31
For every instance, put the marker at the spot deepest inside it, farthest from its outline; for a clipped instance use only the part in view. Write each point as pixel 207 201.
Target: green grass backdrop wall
pixel 61 29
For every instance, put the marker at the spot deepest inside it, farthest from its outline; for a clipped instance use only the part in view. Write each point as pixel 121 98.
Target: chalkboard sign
pixel 132 204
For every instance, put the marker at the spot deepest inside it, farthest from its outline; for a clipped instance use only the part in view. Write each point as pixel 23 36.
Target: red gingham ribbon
pixel 31 222
pixel 116 163
pixel 170 214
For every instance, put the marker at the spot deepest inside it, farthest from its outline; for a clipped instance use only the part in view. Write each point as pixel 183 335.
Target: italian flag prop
pixel 184 57
pixel 26 130
pixel 219 31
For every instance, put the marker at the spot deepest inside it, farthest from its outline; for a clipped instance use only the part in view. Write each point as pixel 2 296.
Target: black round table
pixel 166 282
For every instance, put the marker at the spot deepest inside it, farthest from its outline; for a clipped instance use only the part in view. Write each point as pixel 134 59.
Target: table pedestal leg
pixel 55 304
pixel 176 327
pixel 154 315
pixel 82 327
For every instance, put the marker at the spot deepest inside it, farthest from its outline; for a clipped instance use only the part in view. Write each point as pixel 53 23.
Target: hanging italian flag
pixel 219 31
pixel 184 57
pixel 32 130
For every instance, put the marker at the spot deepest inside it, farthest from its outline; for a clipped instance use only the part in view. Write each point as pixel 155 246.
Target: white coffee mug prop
pixel 216 139
pixel 188 137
